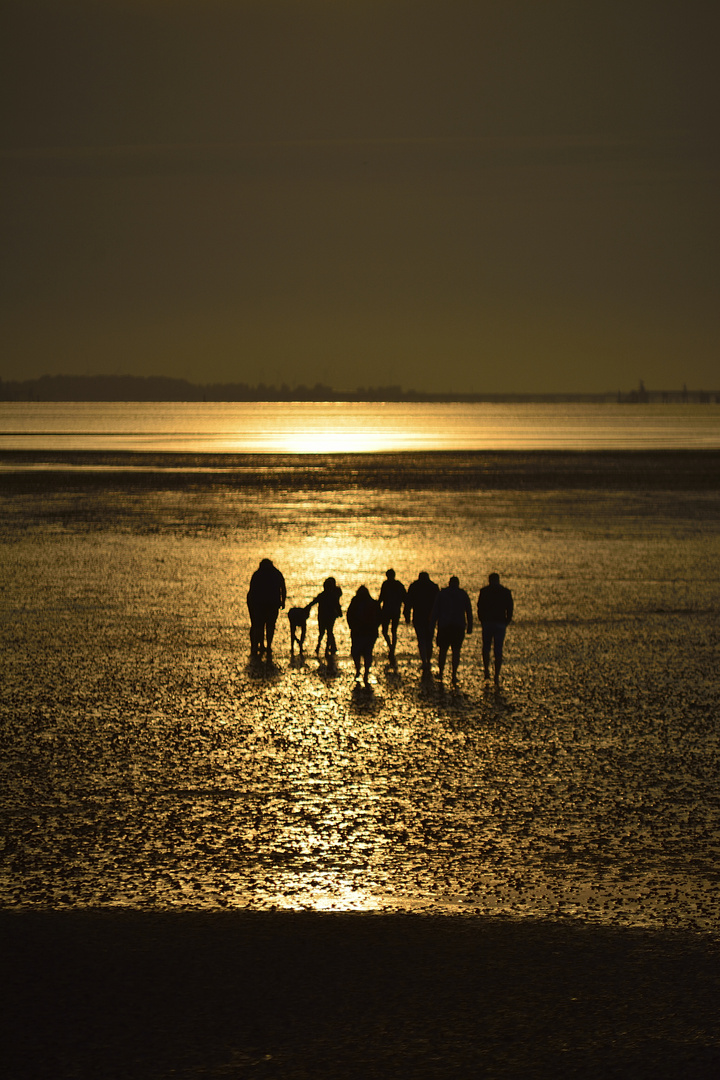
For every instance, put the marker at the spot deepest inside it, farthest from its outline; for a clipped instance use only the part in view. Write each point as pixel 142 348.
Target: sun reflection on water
pixel 352 427
pixel 308 893
pixel 339 441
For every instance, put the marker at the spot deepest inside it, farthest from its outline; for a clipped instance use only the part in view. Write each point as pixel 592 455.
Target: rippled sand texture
pixel 146 761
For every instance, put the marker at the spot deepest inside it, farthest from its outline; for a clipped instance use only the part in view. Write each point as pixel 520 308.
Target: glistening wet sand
pixel 147 764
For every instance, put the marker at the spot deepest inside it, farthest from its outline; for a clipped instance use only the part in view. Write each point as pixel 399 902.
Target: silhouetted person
pixel 328 602
pixel 452 613
pixel 364 617
pixel 495 611
pixel 392 594
pixel 419 601
pixel 265 597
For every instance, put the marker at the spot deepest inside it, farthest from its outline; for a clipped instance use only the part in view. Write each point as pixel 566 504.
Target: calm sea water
pixel 262 427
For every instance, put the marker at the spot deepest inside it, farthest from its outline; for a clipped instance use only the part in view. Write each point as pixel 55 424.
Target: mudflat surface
pixel 147 762
pixel 102 994
pixel 217 867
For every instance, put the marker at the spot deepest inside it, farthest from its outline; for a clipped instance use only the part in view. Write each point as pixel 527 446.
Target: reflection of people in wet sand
pixel 452 614
pixel 264 599
pixel 392 594
pixel 421 596
pixel 495 610
pixel 364 617
pixel 328 602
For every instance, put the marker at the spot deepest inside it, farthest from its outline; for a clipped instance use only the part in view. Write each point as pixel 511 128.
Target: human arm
pixel 435 614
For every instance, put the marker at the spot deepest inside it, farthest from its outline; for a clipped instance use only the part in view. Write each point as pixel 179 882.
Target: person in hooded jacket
pixel 421 596
pixel 392 595
pixel 495 610
pixel 364 617
pixel 266 595
pixel 328 602
pixel 452 614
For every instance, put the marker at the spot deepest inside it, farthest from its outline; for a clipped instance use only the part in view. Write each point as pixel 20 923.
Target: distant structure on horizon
pixel 159 388
pixel 643 396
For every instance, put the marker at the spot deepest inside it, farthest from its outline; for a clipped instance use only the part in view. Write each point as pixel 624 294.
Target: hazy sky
pixel 473 195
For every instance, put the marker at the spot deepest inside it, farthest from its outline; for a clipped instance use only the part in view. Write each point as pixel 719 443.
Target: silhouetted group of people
pixel 424 603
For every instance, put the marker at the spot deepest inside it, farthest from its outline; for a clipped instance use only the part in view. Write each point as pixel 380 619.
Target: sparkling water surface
pixel 321 427
pixel 147 761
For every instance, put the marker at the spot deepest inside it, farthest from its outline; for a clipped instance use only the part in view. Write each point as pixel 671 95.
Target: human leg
pixel 456 640
pixel 443 646
pixel 355 653
pixel 331 646
pixel 424 641
pixel 426 635
pixel 498 641
pixel 393 635
pixel 256 629
pixel 269 627
pixel 367 659
pixel 487 640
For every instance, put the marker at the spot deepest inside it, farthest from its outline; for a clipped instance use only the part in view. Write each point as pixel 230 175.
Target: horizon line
pixel 298 391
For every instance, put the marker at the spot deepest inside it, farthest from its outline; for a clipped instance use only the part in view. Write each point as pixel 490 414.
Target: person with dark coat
pixel 452 614
pixel 328 602
pixel 495 611
pixel 421 596
pixel 392 594
pixel 267 594
pixel 364 617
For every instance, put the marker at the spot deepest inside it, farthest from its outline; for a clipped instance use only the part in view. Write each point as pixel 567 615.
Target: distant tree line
pixel 161 388
pixel 151 388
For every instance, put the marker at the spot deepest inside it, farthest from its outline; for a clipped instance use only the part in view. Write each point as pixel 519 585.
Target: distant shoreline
pixel 118 388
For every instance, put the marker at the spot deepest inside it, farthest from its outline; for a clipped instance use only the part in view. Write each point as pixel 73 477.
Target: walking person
pixel 267 594
pixel 452 614
pixel 495 611
pixel 421 596
pixel 364 617
pixel 328 602
pixel 392 594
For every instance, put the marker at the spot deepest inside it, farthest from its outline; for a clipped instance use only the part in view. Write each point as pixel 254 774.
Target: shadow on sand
pixel 101 993
pixel 365 700
pixel 262 669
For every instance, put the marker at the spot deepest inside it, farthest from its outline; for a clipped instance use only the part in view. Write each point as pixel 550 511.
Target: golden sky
pixel 457 195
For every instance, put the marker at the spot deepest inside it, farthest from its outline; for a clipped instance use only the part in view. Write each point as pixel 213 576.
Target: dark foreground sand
pixel 132 995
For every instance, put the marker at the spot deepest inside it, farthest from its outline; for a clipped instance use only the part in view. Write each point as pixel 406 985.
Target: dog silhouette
pixel 298 617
